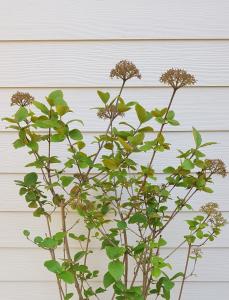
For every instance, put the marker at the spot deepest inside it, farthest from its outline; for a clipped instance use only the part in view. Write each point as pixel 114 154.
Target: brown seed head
pixel 177 78
pixel 216 218
pixel 209 208
pixel 21 99
pixel 125 70
pixel 81 176
pixel 216 166
pixel 108 112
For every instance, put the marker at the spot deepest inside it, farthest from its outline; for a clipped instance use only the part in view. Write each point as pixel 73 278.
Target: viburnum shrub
pixel 110 198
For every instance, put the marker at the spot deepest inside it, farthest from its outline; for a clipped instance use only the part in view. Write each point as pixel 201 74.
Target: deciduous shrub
pixel 112 195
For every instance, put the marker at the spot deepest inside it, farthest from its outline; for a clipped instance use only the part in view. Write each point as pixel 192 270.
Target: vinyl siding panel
pixel 88 63
pixel 72 45
pixel 189 105
pixel 101 19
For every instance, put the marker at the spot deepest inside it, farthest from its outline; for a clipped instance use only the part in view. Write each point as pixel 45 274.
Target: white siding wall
pixel 72 44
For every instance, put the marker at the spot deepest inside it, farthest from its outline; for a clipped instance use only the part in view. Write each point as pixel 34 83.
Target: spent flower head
pixel 209 208
pixel 197 252
pixel 109 112
pixel 216 166
pixel 125 70
pixel 177 78
pixel 216 218
pixel 22 99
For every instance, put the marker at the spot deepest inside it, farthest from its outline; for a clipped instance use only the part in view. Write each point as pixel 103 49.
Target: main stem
pixel 185 272
pixel 67 248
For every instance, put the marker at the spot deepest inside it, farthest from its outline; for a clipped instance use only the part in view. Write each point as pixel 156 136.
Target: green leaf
pixel 190 238
pixel 207 189
pixel 66 180
pixel 116 269
pixel 103 96
pixel 110 163
pixel 67 277
pixel 170 115
pixel 53 266
pixel 26 233
pixel 188 164
pixel 173 122
pixel 137 218
pixel 38 212
pixel 10 120
pixel 114 252
pixel 108 280
pixel 156 272
pixel 197 137
pixel 127 124
pixel 31 196
pixel 169 170
pixel 125 145
pixel 68 296
pixel 59 236
pixel 79 255
pixel 38 240
pixel 49 243
pixel 75 120
pixel 168 284
pixel 122 107
pixel 56 98
pixel 30 179
pixel 179 274
pixel 56 138
pixel 75 134
pixel 162 242
pixel 21 114
pixel 41 107
pixel 199 234
pixel 146 129
pixel 18 144
pixel 46 123
pixel 208 144
pixel 62 109
pixel 121 225
pixel 137 139
pixel 141 113
pixel 33 145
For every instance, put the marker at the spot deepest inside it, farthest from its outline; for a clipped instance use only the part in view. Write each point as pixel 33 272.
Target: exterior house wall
pixel 72 45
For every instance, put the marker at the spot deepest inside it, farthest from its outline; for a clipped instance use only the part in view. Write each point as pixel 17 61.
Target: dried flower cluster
pixel 177 78
pixel 125 70
pixel 109 112
pixel 21 99
pixel 216 218
pixel 81 176
pixel 197 252
pixel 209 208
pixel 216 166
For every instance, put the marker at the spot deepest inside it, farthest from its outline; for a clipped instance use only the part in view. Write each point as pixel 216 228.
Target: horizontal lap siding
pixel 14 223
pixel 178 140
pixel 101 19
pixel 47 291
pixel 189 105
pixel 73 45
pixel 33 260
pixel 88 63
pixel 12 202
